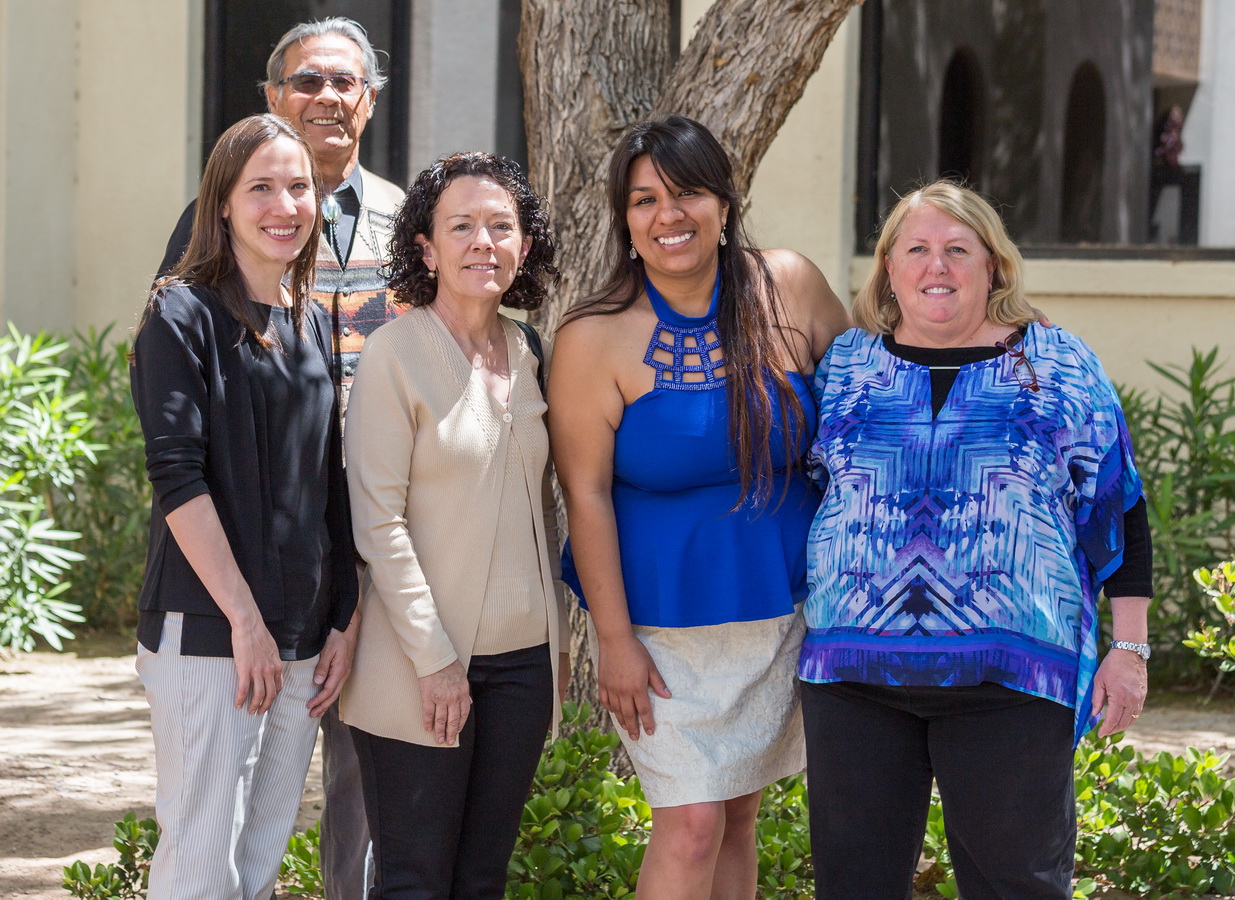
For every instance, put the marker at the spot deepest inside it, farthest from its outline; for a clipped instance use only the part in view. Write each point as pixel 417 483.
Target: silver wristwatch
pixel 1141 650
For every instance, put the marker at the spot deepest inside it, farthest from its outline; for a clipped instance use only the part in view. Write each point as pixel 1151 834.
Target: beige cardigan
pixel 425 443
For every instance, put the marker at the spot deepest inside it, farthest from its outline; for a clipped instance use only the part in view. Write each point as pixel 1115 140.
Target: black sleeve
pixel 1134 577
pixel 343 554
pixel 179 240
pixel 168 383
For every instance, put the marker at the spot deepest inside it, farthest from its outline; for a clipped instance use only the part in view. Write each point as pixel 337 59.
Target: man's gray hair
pixel 340 25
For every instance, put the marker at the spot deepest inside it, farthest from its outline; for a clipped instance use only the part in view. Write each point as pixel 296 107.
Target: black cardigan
pixel 192 392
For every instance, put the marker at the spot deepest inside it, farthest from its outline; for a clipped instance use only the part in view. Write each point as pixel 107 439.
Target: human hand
pixel 259 671
pixel 446 700
pixel 625 674
pixel 1120 685
pixel 333 666
pixel 1042 319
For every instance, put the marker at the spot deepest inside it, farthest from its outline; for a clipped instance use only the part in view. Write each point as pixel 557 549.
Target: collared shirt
pixel 350 195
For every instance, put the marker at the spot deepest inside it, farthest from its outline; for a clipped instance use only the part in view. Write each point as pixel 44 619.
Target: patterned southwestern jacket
pixel 354 294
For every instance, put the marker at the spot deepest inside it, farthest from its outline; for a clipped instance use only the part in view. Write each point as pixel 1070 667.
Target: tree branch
pixel 746 67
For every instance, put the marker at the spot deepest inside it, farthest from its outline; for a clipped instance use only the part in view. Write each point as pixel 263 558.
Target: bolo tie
pixel 331 211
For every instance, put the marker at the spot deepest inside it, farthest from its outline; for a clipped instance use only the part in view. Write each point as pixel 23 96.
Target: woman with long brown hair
pixel 680 410
pixel 245 632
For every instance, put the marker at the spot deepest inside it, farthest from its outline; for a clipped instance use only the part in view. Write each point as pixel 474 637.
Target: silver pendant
pixel 331 210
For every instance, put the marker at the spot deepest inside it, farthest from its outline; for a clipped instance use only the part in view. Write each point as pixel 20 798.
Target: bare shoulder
pixel 602 356
pixel 809 303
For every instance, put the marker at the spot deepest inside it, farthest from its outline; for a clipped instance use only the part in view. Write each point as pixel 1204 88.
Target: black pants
pixel 1004 764
pixel 445 819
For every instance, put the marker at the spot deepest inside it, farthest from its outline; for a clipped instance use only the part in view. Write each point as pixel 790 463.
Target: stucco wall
pixel 101 108
pixel 40 178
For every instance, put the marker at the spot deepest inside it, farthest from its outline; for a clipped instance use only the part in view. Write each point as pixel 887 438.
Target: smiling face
pixel 477 245
pixel 332 123
pixel 270 210
pixel 675 230
pixel 941 274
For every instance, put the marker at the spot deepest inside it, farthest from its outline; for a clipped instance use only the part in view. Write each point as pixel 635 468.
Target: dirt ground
pixel 76 754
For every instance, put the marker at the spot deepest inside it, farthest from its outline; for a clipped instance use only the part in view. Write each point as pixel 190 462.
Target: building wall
pixel 1209 130
pixel 40 171
pixel 454 94
pixel 1116 36
pixel 1027 53
pixel 100 111
pixel 101 102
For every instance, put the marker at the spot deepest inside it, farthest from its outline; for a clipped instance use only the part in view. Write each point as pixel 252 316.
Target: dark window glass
pixel 1084 151
pixel 961 116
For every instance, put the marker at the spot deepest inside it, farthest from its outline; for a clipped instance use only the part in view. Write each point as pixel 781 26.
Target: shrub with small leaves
pixel 1155 825
pixel 584 830
pixel 124 880
pixel 300 873
pixel 1212 641
pixel 782 842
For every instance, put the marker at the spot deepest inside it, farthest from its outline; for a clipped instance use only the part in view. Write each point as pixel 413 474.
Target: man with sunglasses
pixel 324 78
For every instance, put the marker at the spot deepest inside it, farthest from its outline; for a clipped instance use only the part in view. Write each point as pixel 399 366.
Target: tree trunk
pixel 593 68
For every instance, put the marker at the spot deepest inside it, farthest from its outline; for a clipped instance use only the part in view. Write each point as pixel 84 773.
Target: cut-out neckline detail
pixel 685 351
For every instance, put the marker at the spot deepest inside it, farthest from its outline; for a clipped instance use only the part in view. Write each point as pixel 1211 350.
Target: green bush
pixel 1214 641
pixel 72 471
pixel 44 449
pixel 300 873
pixel 123 880
pixel 584 830
pixel 1155 826
pixel 111 498
pixel 782 842
pixel 1185 449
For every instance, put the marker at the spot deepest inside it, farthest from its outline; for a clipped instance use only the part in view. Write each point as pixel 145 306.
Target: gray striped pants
pixel 229 782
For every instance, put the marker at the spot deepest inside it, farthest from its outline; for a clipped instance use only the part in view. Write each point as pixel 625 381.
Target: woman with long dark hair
pixel 245 631
pixel 680 413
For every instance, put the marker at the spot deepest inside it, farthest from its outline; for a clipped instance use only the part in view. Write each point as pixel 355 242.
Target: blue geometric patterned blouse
pixel 969 546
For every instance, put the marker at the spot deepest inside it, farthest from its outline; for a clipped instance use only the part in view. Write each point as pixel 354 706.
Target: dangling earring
pixel 633 253
pixel 894 300
pixel 723 239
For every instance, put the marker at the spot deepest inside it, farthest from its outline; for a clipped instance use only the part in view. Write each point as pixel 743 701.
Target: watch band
pixel 1141 650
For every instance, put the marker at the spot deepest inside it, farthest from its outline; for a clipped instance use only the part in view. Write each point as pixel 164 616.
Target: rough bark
pixel 593 68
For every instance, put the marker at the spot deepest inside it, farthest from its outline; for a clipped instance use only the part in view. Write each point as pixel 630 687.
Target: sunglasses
pixel 311 83
pixel 1022 369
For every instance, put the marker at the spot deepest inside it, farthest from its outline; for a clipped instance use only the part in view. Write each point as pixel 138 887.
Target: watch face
pixel 1141 650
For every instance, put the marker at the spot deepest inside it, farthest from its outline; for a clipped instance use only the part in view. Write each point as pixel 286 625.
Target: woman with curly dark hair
pixel 462 656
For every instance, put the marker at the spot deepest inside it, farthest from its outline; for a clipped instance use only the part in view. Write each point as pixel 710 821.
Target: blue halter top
pixel 688 560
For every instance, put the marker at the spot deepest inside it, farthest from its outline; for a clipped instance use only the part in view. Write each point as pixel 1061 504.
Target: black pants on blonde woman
pixel 445 819
pixel 1003 761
